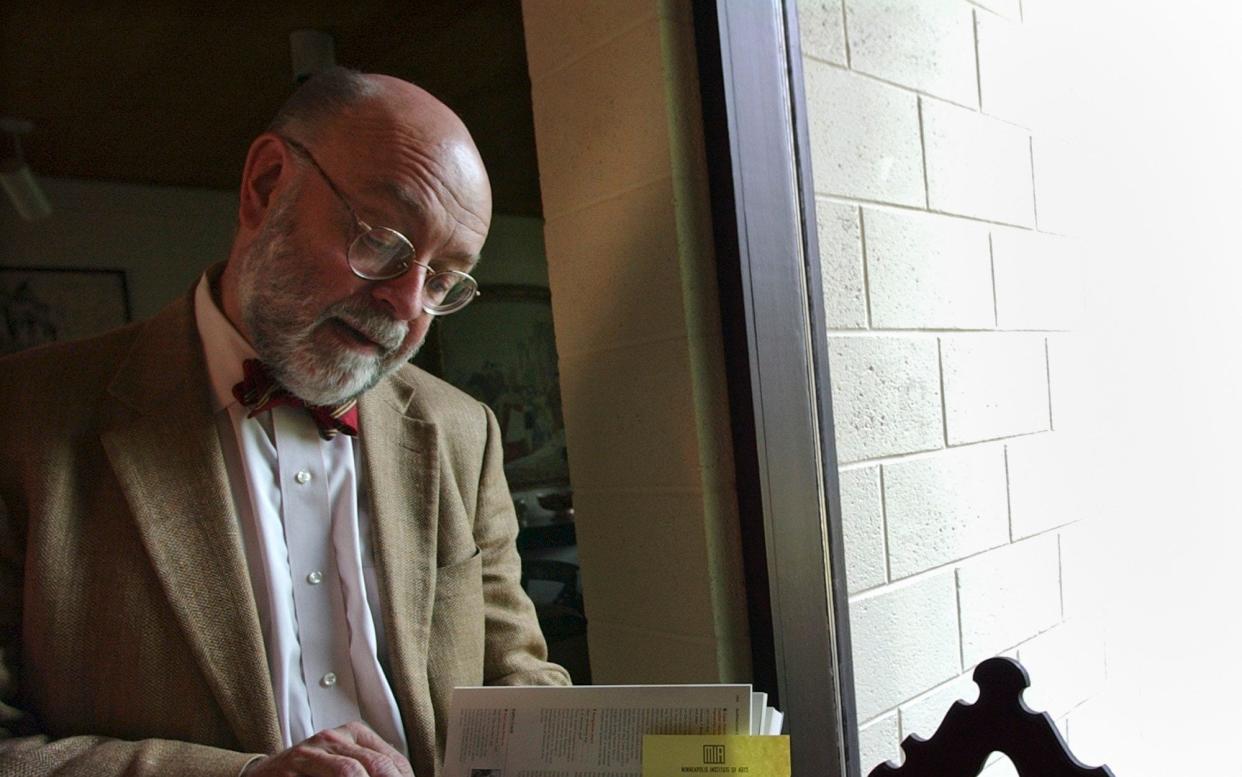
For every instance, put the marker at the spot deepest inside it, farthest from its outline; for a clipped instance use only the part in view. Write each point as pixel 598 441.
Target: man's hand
pixel 351 750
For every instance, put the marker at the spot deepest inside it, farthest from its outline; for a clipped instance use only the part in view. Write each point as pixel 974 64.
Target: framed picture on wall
pixel 501 350
pixel 41 305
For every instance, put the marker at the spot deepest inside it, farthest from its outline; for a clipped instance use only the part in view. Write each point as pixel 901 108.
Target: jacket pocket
pixel 456 645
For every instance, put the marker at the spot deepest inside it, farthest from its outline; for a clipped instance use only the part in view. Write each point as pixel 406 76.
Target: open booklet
pixel 588 730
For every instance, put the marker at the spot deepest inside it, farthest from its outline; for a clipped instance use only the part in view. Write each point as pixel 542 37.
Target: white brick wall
pixel 922 716
pixel 920 44
pixel 976 165
pixel 839 232
pixel 945 507
pixel 906 639
pixel 1007 596
pixel 1011 9
pixel 1001 767
pixel 994 386
pixel 867 145
pixel 1069 662
pixel 1063 202
pixel 927 272
pixel 885 396
pixel 953 288
pixel 878 742
pixel 823 30
pixel 1008 86
pixel 1038 280
pixel 1044 483
pixel 866 563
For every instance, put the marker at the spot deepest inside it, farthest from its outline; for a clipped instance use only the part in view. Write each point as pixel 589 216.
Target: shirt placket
pixel 318 598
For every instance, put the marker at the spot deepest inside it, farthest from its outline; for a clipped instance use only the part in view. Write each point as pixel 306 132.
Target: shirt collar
pixel 224 348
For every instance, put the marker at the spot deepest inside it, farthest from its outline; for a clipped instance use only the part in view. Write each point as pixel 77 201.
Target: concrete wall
pixel 953 285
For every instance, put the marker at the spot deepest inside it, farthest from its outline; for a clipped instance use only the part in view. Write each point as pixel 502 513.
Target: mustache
pixel 377 326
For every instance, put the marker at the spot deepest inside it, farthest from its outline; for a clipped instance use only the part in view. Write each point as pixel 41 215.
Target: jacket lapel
pixel 166 455
pixel 401 469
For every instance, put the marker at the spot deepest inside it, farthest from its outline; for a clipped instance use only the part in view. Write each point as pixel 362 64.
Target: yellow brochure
pixel 688 756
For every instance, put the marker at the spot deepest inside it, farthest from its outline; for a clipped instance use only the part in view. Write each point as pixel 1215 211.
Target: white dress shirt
pixel 305 528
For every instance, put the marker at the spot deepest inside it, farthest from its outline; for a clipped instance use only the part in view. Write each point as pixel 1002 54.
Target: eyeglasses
pixel 381 254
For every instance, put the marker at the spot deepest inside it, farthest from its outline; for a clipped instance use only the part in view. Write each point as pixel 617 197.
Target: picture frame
pixel 43 304
pixel 501 350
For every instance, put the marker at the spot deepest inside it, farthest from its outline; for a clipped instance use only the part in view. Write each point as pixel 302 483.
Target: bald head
pixel 337 104
pixel 416 143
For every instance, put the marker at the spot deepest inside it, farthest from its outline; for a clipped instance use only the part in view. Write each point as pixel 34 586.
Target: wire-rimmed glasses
pixel 383 253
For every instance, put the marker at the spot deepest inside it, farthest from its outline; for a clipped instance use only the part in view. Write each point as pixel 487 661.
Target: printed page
pixel 758 701
pixel 583 731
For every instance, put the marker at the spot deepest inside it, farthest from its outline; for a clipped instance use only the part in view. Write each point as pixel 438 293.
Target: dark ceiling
pixel 171 93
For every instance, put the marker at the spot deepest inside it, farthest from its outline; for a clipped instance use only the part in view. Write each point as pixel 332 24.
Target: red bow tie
pixel 259 391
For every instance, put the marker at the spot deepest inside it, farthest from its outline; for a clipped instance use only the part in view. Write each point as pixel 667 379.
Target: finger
pixel 365 736
pixel 373 762
pixel 317 762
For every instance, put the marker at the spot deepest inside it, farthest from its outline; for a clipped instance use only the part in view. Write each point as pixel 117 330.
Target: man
pixel 202 570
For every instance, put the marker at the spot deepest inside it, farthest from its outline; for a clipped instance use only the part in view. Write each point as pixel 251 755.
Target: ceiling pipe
pixel 19 183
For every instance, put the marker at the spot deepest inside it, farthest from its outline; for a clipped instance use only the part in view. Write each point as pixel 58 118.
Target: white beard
pixel 291 339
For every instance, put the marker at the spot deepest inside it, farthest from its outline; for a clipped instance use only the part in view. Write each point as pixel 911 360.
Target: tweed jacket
pixel 130 641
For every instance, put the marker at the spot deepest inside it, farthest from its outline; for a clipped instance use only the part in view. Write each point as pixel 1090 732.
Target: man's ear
pixel 268 168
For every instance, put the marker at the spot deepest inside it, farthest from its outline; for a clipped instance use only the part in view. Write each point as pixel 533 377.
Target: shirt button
pixel 315 578
pixel 328 680
pixel 302 477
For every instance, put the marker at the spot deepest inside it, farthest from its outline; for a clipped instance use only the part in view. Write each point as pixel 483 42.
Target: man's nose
pixel 402 296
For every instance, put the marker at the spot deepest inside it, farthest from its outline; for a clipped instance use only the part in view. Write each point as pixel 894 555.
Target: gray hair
pixel 321 98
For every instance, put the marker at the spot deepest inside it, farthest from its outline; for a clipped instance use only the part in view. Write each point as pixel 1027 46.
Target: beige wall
pixel 637 328
pixel 163 237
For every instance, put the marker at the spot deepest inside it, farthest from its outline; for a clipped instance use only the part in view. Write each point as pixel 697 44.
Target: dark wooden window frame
pixel 763 210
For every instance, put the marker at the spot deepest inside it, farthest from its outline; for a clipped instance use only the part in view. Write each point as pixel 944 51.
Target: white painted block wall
pixel 952 286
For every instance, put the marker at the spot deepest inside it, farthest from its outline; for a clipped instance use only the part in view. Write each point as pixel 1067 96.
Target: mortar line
pixel 998 15
pixel 1061 576
pixel 931 332
pixel 1048 379
pixel 1030 143
pixel 923 155
pixel 888 560
pixel 897 458
pixel 604 42
pixel 947 566
pixel 944 402
pixel 992 263
pixel 862 244
pixel 913 91
pixel 845 35
pixel 961 628
pixel 978 60
pixel 1008 496
pixel 845 199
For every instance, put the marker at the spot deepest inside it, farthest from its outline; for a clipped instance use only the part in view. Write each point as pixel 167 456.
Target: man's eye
pixel 438 285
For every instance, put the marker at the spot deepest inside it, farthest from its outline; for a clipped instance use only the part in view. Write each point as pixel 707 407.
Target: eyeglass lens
pixel 381 253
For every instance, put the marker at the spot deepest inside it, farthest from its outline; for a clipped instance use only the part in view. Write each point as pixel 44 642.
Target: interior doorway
pixel 140 120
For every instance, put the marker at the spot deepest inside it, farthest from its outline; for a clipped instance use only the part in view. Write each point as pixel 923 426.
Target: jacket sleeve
pixel 515 652
pixel 27 751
